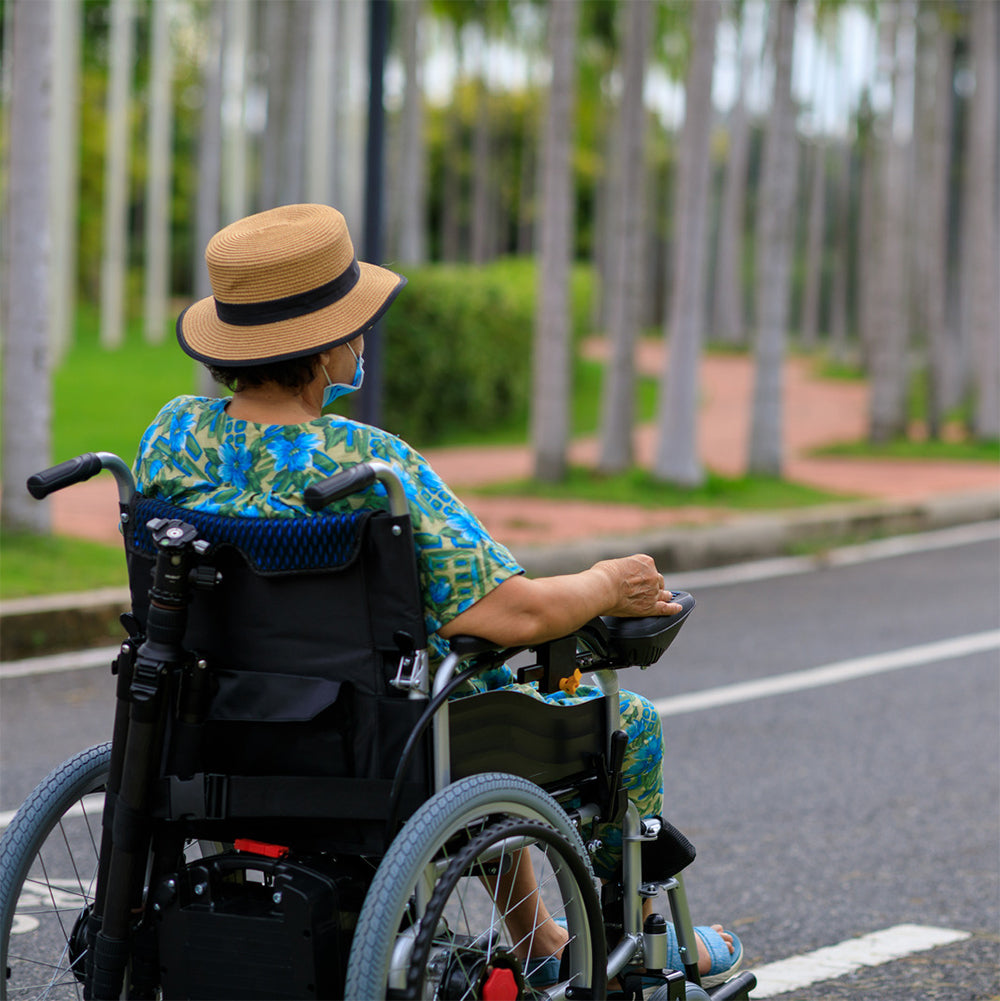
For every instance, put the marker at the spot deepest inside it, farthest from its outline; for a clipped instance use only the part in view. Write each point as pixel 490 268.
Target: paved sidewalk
pixel 817 412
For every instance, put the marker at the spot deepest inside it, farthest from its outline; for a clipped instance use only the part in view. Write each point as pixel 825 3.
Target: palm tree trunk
pixel 157 215
pixel 65 168
pixel 984 295
pixel 114 255
pixel 27 394
pixel 550 400
pixel 626 240
pixel 235 40
pixel 889 343
pixel 676 459
pixel 933 119
pixel 208 204
pixel 774 250
pixel 842 256
pixel 412 187
pixel 809 315
pixel 728 325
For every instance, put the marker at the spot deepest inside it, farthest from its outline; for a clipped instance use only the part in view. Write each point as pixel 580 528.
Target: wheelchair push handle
pixel 355 479
pixel 81 468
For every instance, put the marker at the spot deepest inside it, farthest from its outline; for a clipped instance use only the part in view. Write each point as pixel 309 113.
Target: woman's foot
pixel 719 954
pixel 705 954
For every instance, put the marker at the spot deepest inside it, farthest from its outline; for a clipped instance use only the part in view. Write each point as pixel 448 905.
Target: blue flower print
pixel 181 425
pixel 234 464
pixel 467 525
pixel 293 454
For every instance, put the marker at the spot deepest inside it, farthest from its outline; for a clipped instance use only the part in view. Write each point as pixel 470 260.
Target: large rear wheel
pixel 48 870
pixel 480 935
pixel 383 948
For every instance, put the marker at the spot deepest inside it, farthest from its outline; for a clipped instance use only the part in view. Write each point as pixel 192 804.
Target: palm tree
pixel 889 337
pixel 984 223
pixel 676 459
pixel 116 176
pixel 412 159
pixel 160 157
pixel 26 293
pixel 815 227
pixel 65 167
pixel 932 120
pixel 775 236
pixel 727 320
pixel 208 201
pixel 626 233
pixel 550 398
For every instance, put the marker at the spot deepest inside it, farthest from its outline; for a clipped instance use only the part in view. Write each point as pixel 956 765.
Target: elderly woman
pixel 284 331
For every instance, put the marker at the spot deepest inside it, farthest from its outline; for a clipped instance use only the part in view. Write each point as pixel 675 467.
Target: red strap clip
pixel 260 848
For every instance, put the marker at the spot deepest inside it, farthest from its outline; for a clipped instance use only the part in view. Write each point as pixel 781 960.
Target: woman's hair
pixel 291 374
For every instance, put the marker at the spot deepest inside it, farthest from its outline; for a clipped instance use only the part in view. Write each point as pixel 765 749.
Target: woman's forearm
pixel 524 612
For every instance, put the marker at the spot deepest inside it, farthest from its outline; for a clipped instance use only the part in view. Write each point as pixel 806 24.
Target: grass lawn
pixel 103 400
pixel 637 486
pixel 911 448
pixel 32 564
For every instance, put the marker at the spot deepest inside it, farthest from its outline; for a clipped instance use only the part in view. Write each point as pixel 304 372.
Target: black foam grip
pixel 83 467
pixel 348 481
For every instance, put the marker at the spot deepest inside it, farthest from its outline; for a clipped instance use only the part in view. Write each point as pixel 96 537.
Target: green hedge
pixel 458 349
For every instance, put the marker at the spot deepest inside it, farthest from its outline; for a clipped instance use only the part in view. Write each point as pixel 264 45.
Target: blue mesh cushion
pixel 269 545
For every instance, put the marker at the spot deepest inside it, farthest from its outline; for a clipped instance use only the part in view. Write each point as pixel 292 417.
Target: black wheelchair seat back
pixel 300 624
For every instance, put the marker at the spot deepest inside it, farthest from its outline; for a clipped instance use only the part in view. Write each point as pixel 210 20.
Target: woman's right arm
pixel 523 611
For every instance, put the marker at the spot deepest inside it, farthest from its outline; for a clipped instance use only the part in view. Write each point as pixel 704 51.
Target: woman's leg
pixel 532 931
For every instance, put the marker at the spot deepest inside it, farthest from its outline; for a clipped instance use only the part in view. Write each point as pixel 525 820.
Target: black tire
pixel 466 936
pixel 48 867
pixel 419 856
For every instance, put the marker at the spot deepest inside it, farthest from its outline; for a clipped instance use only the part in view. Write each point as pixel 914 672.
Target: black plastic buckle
pixel 201 797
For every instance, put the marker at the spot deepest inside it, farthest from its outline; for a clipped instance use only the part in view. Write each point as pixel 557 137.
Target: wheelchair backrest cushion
pixel 302 635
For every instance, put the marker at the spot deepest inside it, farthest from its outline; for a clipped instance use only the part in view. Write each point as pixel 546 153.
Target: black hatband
pixel 251 314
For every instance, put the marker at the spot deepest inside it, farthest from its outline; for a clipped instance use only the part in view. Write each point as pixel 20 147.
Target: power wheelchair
pixel 290 807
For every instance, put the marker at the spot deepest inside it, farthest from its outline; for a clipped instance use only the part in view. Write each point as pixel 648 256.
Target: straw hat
pixel 286 283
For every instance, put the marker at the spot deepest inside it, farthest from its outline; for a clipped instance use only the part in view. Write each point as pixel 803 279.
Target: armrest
pixel 641 642
pixel 470 646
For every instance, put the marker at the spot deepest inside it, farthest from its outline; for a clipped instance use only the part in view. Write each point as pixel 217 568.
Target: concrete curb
pixel 753 537
pixel 32 627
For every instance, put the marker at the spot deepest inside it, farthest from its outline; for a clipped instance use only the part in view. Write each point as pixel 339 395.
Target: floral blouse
pixel 194 454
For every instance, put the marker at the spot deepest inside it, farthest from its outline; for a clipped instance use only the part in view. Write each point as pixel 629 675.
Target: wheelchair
pixel 291 807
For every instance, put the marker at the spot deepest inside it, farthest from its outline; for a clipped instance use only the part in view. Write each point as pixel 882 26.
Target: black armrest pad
pixel 469 646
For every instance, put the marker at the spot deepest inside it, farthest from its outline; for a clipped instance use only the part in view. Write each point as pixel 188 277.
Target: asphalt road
pixel 819 814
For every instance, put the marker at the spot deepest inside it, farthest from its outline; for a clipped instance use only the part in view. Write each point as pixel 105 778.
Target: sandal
pixel 724 962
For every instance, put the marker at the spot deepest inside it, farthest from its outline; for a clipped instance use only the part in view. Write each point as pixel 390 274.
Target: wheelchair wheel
pixel 476 936
pixel 48 865
pixel 420 857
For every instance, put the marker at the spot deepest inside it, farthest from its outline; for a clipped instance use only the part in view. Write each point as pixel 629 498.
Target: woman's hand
pixel 638 587
pixel 523 612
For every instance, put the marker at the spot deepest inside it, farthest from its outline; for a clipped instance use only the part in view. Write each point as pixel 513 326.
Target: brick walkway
pixel 817 412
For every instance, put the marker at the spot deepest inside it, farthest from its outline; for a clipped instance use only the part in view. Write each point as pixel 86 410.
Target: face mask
pixel 334 390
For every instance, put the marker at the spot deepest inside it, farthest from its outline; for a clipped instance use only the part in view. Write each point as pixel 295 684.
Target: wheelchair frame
pixel 101 945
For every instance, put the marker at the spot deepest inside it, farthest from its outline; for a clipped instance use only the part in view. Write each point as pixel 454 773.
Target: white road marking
pixel 834 961
pixel 829 674
pixel 74 661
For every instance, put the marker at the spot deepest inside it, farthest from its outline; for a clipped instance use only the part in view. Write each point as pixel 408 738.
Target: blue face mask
pixel 335 390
